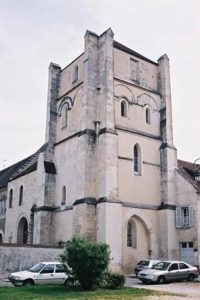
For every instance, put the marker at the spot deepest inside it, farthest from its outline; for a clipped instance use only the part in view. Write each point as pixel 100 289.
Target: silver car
pixel 169 271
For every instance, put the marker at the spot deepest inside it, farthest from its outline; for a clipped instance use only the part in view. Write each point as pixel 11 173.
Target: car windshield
pixel 37 268
pixel 163 265
pixel 143 263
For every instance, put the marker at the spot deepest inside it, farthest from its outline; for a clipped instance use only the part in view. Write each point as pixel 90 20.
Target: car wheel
pixel 191 277
pixel 69 282
pixel 144 281
pixel 161 279
pixel 28 282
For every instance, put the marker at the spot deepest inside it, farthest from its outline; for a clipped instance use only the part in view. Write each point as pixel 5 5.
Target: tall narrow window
pixel 21 195
pixel 10 198
pixel 131 234
pixel 137 159
pixel 124 108
pixel 75 74
pixel 64 116
pixel 148 116
pixel 134 70
pixel 63 195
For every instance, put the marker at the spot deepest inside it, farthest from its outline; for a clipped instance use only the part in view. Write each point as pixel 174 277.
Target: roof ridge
pixel 187 176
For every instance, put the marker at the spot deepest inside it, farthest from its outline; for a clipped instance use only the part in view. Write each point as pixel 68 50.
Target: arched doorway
pixel 1 239
pixel 136 243
pixel 22 232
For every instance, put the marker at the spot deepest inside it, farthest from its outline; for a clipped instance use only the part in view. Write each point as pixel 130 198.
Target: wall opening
pixel 22 232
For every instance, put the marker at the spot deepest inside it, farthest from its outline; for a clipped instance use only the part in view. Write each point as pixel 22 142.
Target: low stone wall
pixel 15 257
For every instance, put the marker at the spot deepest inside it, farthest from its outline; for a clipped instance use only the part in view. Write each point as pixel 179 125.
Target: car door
pixel 59 274
pixel 183 271
pixel 46 275
pixel 173 272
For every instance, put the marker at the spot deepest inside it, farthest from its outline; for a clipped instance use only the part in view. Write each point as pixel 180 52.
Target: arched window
pixel 137 159
pixel 75 74
pixel 131 234
pixel 21 195
pixel 10 198
pixel 64 116
pixel 124 109
pixel 63 195
pixel 1 238
pixel 148 116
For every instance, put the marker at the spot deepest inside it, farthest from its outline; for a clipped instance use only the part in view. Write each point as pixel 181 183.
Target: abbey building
pixel 108 169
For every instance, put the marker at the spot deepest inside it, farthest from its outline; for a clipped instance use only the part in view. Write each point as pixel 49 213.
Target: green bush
pixel 88 261
pixel 115 280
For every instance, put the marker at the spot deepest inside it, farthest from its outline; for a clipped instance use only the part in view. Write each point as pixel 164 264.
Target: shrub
pixel 115 280
pixel 87 259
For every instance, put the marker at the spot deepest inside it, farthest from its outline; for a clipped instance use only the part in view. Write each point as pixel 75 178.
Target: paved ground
pixel 190 290
pixel 5 282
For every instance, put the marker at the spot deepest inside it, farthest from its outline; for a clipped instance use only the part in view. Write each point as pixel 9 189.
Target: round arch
pixel 78 91
pixel 67 101
pixel 121 89
pixel 146 99
pixel 123 107
pixel 22 231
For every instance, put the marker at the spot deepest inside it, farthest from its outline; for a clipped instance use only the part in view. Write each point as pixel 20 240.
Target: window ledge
pixel 137 174
pixel 185 227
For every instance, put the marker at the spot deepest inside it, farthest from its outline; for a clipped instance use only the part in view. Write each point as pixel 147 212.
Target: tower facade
pixel 114 151
pixel 107 168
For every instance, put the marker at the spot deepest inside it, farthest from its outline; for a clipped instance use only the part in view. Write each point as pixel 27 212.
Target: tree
pixel 88 260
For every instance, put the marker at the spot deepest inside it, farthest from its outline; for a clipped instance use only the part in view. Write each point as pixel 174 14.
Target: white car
pixel 42 273
pixel 145 264
pixel 169 271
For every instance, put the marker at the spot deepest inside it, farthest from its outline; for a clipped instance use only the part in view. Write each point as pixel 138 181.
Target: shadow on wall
pixel 19 257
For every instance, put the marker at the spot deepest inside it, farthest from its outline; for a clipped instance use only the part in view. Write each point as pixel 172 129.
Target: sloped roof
pixel 121 47
pixel 7 173
pixel 189 171
pixel 22 167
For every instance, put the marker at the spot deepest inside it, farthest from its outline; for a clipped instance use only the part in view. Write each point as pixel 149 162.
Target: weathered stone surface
pixel 15 258
pixel 96 116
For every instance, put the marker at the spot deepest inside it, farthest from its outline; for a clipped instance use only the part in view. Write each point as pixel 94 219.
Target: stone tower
pixel 107 168
pixel 115 104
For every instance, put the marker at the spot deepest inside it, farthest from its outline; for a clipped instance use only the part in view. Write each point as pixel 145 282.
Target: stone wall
pixel 20 257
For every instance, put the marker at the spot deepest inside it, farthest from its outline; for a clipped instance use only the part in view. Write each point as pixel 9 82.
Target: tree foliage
pixel 88 260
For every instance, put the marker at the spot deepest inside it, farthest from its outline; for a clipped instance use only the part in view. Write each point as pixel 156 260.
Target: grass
pixel 58 292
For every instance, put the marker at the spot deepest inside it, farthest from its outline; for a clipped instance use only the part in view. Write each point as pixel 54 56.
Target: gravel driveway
pixel 186 290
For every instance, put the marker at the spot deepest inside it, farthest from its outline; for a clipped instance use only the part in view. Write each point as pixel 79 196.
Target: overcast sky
pixel 35 33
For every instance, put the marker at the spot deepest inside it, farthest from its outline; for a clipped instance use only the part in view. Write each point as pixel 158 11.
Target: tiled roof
pixel 7 173
pixel 21 168
pixel 31 160
pixel 189 171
